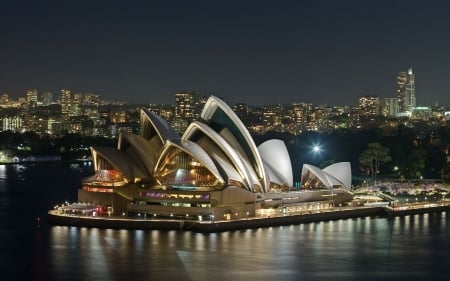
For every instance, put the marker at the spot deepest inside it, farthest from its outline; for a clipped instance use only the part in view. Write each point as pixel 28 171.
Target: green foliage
pixel 374 156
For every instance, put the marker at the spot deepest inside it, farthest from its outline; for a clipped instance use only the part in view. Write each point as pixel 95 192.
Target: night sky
pixel 258 52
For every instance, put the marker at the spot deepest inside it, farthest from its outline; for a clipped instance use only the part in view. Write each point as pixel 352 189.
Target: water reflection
pixel 373 248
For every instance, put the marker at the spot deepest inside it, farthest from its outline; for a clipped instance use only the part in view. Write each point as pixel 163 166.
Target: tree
pixel 374 156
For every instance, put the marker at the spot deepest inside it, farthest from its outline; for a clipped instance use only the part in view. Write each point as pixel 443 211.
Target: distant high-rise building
pixel 47 98
pixel 241 109
pixel 91 99
pixel 299 116
pixel 183 105
pixel 389 107
pixel 32 96
pixel 188 105
pixel 65 99
pixel 406 91
pixel 369 105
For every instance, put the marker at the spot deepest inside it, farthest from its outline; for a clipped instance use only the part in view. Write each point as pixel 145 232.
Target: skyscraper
pixel 32 96
pixel 65 99
pixel 406 91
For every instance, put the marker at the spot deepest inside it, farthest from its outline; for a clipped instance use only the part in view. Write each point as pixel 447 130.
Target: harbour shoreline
pixel 116 222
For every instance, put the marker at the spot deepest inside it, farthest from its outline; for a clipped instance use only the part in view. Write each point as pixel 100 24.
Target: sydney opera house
pixel 214 170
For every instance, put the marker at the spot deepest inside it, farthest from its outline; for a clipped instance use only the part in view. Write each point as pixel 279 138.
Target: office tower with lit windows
pixel 406 91
pixel 389 107
pixel 65 99
pixel 183 105
pixel 32 96
pixel 188 106
pixel 299 116
pixel 369 105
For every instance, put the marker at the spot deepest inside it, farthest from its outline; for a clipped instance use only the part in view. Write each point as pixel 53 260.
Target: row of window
pixel 161 195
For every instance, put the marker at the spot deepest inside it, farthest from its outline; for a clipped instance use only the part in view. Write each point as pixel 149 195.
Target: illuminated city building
pixel 14 123
pixel 47 98
pixel 389 107
pixel 184 105
pixel 299 117
pixel 241 109
pixel 406 91
pixel 188 106
pixel 91 99
pixel 118 116
pixel 272 118
pixel 32 96
pixel 65 100
pixel 213 170
pixel 421 113
pixel 369 105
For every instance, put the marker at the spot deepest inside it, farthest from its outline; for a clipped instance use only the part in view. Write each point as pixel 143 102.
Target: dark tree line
pixel 68 146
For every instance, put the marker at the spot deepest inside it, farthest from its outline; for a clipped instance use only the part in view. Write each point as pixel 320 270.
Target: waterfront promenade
pixel 275 219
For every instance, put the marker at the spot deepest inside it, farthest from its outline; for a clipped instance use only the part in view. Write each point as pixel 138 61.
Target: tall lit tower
pixel 65 99
pixel 406 91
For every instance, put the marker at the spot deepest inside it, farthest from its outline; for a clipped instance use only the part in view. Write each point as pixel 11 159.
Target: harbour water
pixel 403 248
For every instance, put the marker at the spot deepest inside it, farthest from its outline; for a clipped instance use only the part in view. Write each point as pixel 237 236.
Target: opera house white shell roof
pixel 338 174
pixel 213 153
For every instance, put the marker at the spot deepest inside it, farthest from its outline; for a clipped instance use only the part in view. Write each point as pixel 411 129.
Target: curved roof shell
pixel 197 132
pixel 106 157
pixel 141 150
pixel 336 176
pixel 276 159
pixel 198 159
pixel 221 118
pixel 342 172
pixel 158 127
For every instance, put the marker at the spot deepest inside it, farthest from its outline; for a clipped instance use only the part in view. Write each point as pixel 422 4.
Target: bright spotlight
pixel 316 148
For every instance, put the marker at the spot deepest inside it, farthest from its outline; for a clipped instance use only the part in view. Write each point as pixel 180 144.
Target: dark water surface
pixel 405 248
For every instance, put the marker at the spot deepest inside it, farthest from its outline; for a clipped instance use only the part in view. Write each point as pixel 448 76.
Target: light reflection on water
pixel 405 248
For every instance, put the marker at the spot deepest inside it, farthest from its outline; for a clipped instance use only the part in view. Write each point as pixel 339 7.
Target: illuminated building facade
pixel 389 107
pixel 32 97
pixel 65 99
pixel 369 105
pixel 406 91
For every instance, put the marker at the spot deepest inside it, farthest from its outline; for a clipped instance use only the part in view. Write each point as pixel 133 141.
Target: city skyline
pixel 256 52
